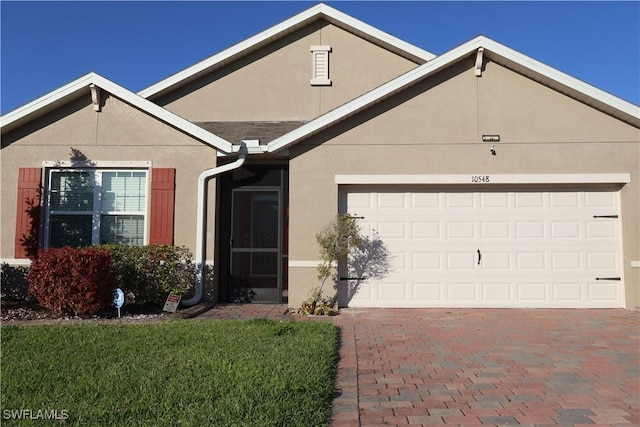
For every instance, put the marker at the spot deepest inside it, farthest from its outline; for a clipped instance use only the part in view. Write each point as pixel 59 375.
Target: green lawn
pixel 182 372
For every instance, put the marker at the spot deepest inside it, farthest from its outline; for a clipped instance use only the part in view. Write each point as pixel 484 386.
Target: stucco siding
pixel 435 128
pixel 273 83
pixel 118 133
pixel 523 111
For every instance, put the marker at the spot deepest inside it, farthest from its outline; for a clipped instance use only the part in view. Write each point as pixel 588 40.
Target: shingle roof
pixel 236 131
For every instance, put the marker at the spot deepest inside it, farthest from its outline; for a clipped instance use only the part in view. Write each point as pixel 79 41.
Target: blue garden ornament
pixel 118 299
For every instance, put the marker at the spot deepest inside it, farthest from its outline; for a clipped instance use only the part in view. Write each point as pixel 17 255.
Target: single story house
pixel 492 179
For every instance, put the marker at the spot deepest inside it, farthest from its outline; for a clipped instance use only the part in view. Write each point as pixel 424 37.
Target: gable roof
pixel 319 11
pixel 498 53
pixel 82 86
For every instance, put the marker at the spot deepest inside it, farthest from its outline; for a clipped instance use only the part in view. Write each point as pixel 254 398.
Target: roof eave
pixel 46 103
pixel 81 86
pixel 563 83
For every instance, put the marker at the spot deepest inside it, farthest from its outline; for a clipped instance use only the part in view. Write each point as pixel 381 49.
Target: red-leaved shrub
pixel 72 281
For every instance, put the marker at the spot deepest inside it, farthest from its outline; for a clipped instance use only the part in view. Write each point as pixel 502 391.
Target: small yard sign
pixel 171 305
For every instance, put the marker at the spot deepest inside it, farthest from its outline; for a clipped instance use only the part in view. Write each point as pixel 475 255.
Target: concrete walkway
pixel 481 366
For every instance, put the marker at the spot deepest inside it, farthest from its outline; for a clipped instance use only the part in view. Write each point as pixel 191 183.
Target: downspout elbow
pixel 201 220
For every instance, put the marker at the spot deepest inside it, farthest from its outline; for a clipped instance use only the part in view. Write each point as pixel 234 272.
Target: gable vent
pixel 320 73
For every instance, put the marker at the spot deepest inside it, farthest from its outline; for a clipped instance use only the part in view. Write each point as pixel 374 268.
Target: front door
pixel 256 244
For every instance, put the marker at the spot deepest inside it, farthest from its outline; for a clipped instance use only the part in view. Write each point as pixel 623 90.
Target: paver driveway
pixel 488 367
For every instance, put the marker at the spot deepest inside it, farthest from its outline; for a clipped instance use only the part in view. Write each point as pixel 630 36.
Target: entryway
pixel 253 236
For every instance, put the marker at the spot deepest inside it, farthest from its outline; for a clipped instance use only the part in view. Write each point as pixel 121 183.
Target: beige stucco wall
pixel 437 129
pixel 119 132
pixel 273 82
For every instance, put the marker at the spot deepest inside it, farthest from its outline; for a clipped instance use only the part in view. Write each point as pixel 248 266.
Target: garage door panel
pixel 600 199
pixel 425 200
pixel 530 229
pixel 500 261
pixel 601 229
pixel 564 200
pixel 392 230
pixel 392 291
pixel 460 229
pixel 428 292
pixel 602 291
pixel 461 291
pixel 603 261
pixel 427 261
pixel 391 200
pixel 495 230
pixel 531 261
pixel 529 200
pixel 399 262
pixel 494 199
pixel 460 261
pixel 459 200
pixel 364 294
pixel 359 200
pixel 567 261
pixel 426 230
pixel 535 293
pixel 497 292
pixel 565 230
pixel 539 249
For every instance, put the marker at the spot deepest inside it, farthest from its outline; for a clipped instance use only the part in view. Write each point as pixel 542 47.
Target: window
pixel 90 206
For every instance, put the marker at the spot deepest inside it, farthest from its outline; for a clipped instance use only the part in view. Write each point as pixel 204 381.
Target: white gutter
pixel 202 219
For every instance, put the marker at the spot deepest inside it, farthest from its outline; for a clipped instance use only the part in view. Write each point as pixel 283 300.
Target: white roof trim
pixel 318 11
pixel 631 111
pixel 66 93
pixel 103 164
pixel 560 77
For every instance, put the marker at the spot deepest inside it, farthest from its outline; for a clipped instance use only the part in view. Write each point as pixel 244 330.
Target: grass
pixel 184 373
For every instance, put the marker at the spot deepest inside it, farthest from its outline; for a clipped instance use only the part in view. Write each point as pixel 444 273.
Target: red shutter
pixel 163 187
pixel 28 212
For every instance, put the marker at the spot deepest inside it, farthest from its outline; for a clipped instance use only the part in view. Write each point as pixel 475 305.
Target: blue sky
pixel 45 45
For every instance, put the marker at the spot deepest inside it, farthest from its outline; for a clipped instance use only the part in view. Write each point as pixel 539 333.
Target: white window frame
pixel 97 168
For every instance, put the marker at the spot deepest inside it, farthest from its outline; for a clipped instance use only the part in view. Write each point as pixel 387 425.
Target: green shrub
pixel 14 282
pixel 336 240
pixel 72 281
pixel 147 274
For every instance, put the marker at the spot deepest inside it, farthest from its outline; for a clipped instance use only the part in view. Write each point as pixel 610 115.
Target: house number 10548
pixel 476 179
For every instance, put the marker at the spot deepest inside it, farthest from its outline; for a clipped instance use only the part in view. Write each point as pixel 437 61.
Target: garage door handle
pixel 479 256
pixel 608 278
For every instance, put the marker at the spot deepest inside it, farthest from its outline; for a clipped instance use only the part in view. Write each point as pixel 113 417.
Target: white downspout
pixel 202 219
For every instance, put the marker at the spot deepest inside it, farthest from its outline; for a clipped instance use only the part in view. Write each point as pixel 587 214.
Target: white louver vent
pixel 320 58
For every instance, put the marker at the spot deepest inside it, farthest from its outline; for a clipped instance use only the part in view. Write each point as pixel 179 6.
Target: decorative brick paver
pixel 496 367
pixel 479 367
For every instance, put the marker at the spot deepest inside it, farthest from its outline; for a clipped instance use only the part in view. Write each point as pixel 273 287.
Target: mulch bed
pixel 23 312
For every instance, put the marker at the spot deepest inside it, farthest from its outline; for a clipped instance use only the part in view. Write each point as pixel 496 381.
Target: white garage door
pixel 466 248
